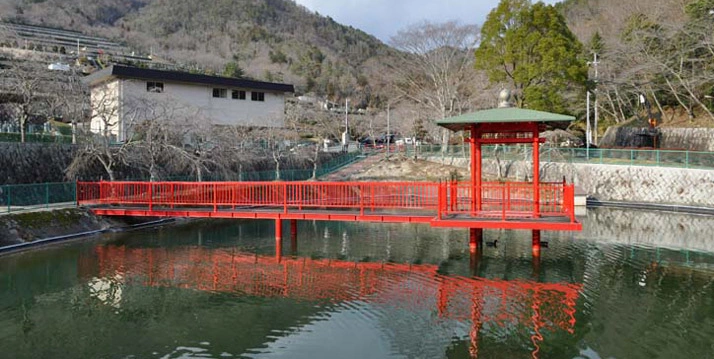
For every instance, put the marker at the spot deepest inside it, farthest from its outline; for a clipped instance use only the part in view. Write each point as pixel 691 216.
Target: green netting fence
pixel 35 138
pixel 24 197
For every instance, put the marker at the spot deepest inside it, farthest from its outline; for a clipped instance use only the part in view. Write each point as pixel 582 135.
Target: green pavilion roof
pixel 501 115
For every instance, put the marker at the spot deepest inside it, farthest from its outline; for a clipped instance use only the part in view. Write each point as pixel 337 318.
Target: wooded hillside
pixel 655 57
pixel 273 40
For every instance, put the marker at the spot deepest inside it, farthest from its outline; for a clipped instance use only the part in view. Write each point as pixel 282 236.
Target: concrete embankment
pixel 21 230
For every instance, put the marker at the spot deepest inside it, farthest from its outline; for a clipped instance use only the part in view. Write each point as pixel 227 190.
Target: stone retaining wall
pixel 693 139
pixel 615 183
pixel 34 162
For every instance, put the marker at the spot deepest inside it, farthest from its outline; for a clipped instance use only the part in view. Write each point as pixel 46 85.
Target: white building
pixel 117 90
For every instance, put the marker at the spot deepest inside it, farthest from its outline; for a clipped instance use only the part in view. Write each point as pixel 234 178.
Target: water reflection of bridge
pixel 541 307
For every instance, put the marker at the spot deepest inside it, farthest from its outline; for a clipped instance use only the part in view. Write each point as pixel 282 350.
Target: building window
pixel 220 93
pixel 157 87
pixel 257 96
pixel 238 95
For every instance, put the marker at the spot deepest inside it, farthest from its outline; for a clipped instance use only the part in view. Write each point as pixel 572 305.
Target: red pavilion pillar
pixel 536 172
pixel 475 169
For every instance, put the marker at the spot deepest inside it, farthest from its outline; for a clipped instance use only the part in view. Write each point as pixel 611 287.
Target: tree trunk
pixel 199 173
pixel 23 121
pixel 314 161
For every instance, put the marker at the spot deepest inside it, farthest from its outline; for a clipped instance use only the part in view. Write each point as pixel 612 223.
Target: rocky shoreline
pixel 28 227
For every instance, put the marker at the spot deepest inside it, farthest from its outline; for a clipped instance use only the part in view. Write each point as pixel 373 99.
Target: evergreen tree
pixel 531 48
pixel 596 44
pixel 232 69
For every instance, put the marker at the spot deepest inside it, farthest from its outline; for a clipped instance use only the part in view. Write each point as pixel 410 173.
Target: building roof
pixel 501 115
pixel 118 71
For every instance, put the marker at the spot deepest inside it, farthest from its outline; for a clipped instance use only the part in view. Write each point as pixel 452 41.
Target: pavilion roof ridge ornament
pixel 504 98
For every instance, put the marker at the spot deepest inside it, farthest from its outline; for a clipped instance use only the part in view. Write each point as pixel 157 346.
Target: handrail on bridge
pixel 504 200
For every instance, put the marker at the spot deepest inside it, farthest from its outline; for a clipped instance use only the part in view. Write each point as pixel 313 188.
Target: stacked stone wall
pixel 692 139
pixel 657 185
pixel 34 162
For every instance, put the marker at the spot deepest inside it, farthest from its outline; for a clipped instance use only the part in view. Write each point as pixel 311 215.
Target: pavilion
pixel 521 202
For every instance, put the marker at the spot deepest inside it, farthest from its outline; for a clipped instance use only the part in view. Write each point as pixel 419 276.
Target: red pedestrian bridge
pixel 476 204
pixel 507 205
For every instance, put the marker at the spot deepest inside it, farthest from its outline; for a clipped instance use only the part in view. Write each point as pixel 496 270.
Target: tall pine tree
pixel 530 47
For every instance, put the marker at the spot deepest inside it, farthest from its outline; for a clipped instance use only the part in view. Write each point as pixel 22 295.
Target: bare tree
pixel 276 144
pixel 24 84
pixel 320 127
pixel 435 67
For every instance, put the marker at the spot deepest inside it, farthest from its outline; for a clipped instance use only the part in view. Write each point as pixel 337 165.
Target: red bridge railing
pixel 505 200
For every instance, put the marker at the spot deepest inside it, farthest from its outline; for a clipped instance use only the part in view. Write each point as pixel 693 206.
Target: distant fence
pixel 27 197
pixel 35 138
pixel 603 156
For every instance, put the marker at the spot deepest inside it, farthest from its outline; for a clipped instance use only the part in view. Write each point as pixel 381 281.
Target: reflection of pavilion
pixel 538 306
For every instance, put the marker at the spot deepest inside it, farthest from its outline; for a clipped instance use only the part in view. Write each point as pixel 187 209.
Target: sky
pixel 384 18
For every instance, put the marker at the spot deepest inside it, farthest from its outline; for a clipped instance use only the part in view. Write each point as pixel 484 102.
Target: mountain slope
pixel 274 40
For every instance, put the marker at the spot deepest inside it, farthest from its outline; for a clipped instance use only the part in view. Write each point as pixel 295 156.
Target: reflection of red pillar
pixel 293 228
pixel 475 323
pixel 536 243
pixel 538 323
pixel 443 297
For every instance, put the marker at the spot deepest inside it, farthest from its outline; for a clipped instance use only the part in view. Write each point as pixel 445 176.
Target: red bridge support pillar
pixel 475 239
pixel 536 243
pixel 293 236
pixel 278 230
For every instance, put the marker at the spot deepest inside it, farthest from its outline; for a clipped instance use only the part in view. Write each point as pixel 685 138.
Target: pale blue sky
pixel 383 18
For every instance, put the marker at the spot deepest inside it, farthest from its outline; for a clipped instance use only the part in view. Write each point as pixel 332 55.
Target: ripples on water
pixel 223 290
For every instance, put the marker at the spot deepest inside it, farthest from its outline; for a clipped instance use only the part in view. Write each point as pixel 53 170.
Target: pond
pixel 633 284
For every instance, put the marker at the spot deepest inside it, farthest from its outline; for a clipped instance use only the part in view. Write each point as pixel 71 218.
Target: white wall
pixel 195 101
pixel 220 111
